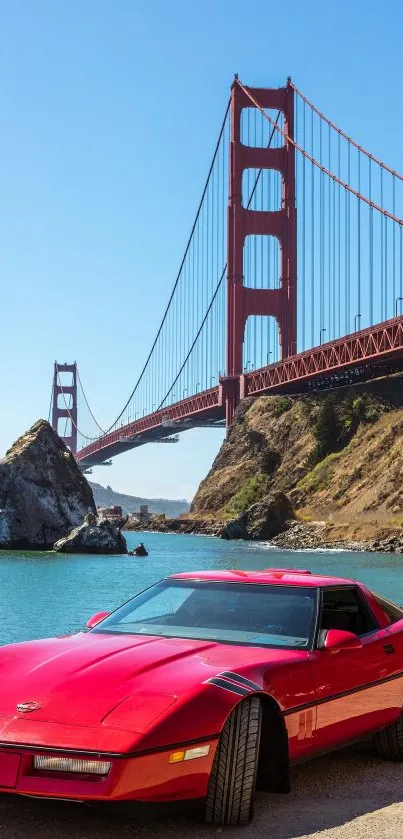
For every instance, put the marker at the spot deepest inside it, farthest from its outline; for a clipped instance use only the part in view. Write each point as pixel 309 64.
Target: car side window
pixel 345 609
pixel 393 613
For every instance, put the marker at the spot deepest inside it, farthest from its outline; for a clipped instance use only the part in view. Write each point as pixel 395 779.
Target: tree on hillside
pixel 327 429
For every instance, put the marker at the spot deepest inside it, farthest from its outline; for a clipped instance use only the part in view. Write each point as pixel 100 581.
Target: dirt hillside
pixel 338 456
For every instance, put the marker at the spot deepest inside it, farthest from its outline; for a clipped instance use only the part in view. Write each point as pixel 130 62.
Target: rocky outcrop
pixel 337 456
pixel 93 537
pixel 273 446
pixel 263 520
pixel 43 494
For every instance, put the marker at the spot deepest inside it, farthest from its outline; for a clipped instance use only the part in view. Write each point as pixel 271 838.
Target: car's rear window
pixel 393 613
pixel 234 613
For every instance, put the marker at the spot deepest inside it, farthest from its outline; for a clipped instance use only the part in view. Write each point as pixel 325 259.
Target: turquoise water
pixel 43 594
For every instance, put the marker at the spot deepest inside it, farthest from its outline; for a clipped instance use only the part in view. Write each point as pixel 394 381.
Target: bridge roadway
pixel 377 350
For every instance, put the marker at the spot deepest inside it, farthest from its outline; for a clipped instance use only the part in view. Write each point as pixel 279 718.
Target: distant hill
pixel 106 497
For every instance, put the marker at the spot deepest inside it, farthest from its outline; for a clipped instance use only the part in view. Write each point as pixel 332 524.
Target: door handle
pixel 389 649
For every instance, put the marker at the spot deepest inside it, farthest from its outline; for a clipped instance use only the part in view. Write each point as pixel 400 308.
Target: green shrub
pixel 327 428
pixel 320 476
pixel 252 490
pixel 337 421
pixel 281 405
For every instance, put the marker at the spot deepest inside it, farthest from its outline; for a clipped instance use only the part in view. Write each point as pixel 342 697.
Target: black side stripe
pixel 221 683
pixel 342 694
pixel 241 680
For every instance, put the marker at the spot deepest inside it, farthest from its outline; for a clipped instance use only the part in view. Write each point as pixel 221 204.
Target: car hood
pixel 81 679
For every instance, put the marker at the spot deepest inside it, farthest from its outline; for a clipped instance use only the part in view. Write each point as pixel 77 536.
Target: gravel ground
pixel 350 795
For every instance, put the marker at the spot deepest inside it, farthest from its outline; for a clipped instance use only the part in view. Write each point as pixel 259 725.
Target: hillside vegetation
pixel 337 456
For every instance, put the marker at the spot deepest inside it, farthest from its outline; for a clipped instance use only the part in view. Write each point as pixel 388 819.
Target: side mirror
pixel 97 618
pixel 337 640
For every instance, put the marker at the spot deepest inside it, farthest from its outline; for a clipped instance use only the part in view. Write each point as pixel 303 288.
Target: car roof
pixel 273 576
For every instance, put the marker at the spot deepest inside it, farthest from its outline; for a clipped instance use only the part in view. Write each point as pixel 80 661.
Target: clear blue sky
pixel 108 116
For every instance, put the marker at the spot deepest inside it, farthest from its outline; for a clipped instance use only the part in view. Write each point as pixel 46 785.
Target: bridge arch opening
pixel 64 427
pixel 65 378
pixel 261 262
pixel 64 400
pixel 261 343
pixel 256 130
pixel 262 189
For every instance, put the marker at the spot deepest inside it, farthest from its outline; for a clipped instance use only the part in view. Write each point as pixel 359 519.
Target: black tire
pixel 389 741
pixel 231 791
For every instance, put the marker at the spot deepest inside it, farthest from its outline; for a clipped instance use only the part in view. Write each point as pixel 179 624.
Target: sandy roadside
pixel 349 795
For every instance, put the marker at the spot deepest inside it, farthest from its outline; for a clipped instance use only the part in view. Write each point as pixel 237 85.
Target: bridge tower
pixel 244 302
pixel 60 411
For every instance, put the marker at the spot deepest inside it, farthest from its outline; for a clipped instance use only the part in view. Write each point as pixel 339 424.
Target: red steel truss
pixel 370 348
pixel 192 412
pixel 374 345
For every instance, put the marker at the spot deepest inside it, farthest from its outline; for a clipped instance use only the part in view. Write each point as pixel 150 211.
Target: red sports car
pixel 202 687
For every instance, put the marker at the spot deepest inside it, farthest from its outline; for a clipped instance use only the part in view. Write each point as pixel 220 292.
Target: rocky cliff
pixel 338 457
pixel 43 494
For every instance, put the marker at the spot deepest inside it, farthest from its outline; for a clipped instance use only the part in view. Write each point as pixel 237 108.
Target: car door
pixel 356 689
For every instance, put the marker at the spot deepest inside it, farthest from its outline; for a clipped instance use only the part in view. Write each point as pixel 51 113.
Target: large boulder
pixel 93 537
pixel 263 520
pixel 43 494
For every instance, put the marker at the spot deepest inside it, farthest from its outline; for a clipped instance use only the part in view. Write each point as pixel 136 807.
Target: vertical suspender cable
pixel 303 296
pixel 371 249
pixel 394 242
pixel 359 243
pixel 339 240
pixel 382 255
pixel 348 300
pixel 312 240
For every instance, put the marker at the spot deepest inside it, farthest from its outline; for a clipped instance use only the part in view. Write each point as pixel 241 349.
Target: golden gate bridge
pixel 291 280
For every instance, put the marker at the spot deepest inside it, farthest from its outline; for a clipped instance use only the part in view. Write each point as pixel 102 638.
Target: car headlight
pixel 72 764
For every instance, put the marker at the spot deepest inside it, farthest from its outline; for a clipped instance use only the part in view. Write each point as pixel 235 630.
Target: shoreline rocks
pixel 295 535
pixel 161 524
pixel 93 537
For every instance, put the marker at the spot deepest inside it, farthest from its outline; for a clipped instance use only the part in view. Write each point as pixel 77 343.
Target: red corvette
pixel 202 687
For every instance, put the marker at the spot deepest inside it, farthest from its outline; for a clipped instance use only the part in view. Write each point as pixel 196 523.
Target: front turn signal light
pixel 189 754
pixel 176 757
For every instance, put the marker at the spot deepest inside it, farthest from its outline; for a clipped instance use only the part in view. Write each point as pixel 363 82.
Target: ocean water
pixel 45 594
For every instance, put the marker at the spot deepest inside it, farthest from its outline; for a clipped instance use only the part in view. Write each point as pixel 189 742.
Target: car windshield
pixel 232 613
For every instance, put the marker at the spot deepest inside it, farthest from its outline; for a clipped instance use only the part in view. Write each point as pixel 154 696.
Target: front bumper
pixel 147 777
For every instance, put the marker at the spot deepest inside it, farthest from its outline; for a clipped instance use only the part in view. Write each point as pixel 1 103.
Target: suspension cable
pixel 68 409
pixel 86 402
pixel 220 280
pixel 179 272
pixel 312 160
pixel 50 404
pixel 344 135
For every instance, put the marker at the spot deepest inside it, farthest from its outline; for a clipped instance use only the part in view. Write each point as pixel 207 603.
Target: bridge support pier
pixel 63 412
pixel 242 301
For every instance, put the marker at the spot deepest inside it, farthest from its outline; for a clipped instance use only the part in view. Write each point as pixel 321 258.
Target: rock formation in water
pixel 93 537
pixel 43 494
